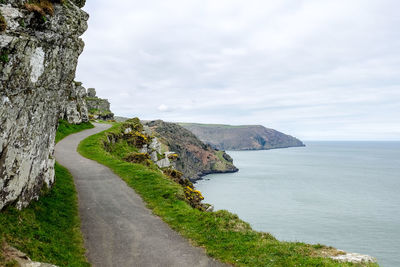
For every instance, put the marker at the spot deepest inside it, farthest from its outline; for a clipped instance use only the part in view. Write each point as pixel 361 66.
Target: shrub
pixel 140 158
pixel 134 124
pixel 173 156
pixel 172 173
pixel 194 198
pixel 136 139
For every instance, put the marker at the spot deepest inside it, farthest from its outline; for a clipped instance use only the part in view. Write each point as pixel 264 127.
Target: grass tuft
pixel 3 23
pixel 42 7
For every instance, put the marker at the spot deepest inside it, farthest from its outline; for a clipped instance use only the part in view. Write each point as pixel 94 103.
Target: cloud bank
pixel 318 70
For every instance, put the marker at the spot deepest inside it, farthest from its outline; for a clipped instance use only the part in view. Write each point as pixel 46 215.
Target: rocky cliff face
pixel 195 158
pixel 40 46
pixel 99 108
pixel 245 137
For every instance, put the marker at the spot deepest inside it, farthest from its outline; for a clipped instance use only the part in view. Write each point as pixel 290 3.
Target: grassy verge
pixel 65 129
pixel 48 230
pixel 222 234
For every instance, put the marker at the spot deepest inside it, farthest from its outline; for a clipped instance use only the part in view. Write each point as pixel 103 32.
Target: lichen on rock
pixel 37 70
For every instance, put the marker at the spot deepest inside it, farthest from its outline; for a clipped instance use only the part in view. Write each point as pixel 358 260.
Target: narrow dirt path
pixel 118 228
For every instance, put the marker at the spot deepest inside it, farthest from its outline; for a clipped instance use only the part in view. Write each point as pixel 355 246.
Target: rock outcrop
pixel 39 53
pixel 195 158
pixel 243 137
pixel 75 111
pixel 99 108
pixel 355 258
pixel 14 257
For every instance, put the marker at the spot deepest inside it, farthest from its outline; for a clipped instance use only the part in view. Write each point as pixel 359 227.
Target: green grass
pixel 222 234
pixel 48 230
pixel 65 129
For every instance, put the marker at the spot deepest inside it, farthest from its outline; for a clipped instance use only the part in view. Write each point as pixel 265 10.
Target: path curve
pixel 117 227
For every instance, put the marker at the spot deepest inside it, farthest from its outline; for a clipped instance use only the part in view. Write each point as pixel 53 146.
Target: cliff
pixel 40 46
pixel 244 137
pixel 195 158
pixel 99 108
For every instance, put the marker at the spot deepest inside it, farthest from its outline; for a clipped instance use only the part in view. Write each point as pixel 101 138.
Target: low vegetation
pixel 46 7
pixel 4 56
pixel 223 235
pixel 65 128
pixel 3 23
pixel 48 230
pixel 41 7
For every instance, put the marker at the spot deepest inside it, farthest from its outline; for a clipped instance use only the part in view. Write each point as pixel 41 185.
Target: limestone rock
pixel 76 110
pixel 91 92
pixel 354 258
pixel 153 156
pixel 210 208
pixel 37 69
pixel 155 145
pixel 163 163
pixel 11 253
pixel 144 149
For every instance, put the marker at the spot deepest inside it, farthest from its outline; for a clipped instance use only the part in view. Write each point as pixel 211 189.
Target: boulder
pixel 91 92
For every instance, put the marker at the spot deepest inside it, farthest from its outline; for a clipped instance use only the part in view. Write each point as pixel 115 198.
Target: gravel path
pixel 118 228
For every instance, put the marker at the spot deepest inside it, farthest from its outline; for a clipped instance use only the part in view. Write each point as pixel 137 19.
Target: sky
pixel 317 70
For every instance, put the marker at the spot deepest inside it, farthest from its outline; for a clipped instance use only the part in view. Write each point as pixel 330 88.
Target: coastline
pixel 294 196
pixel 214 231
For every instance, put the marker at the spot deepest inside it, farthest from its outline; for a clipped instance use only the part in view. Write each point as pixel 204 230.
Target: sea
pixel 341 194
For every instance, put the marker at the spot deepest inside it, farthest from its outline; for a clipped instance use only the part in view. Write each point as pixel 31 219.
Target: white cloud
pixel 163 108
pixel 313 69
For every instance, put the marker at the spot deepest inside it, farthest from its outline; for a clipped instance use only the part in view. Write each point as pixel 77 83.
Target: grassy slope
pixel 49 230
pixel 222 234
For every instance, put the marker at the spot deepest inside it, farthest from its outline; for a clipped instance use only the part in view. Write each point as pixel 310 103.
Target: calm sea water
pixel 342 194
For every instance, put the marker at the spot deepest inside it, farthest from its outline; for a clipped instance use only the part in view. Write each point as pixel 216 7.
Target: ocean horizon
pixel 343 194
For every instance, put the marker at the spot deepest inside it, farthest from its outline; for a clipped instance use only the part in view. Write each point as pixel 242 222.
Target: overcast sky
pixel 318 70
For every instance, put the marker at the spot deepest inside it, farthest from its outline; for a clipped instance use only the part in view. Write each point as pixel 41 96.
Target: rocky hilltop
pixel 244 137
pixel 99 108
pixel 40 46
pixel 195 158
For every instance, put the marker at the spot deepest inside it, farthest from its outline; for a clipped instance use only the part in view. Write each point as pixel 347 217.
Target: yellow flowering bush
pixel 136 139
pixel 173 156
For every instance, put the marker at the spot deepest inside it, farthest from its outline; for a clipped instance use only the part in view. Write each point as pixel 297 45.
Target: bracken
pixel 42 7
pixel 3 23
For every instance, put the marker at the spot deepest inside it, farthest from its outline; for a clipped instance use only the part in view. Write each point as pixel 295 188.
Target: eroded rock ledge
pixel 38 60
pixel 354 258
